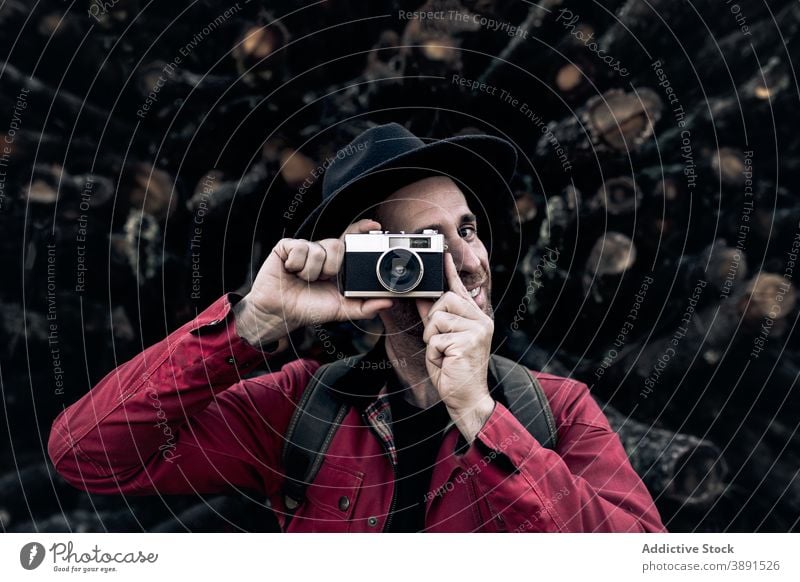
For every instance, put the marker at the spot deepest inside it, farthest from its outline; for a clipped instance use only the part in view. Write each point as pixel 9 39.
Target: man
pixel 426 446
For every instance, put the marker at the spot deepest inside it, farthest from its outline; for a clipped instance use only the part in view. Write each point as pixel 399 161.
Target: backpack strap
pixel 522 394
pixel 311 429
pixel 321 411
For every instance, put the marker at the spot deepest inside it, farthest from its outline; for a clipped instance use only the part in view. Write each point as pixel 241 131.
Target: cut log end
pixel 699 476
pixel 768 295
pixel 568 78
pixel 256 52
pixel 259 42
pixel 296 167
pixel 726 266
pixel 728 164
pixel 440 49
pixel 40 192
pixel 622 120
pixel 612 254
pixel 151 190
pixel 619 196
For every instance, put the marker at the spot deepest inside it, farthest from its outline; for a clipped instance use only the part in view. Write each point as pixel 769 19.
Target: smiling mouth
pixel 475 291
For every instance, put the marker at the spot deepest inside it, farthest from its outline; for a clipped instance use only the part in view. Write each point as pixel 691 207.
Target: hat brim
pixel 481 165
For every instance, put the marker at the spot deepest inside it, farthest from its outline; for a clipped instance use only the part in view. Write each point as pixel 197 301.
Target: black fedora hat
pixel 386 157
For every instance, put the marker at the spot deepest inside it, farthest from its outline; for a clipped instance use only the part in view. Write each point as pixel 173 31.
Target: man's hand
pixel 458 335
pixel 296 286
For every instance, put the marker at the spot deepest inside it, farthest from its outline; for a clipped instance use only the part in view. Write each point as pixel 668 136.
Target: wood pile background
pixel 152 154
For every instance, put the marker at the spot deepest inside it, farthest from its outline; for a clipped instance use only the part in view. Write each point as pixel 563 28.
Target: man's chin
pixel 403 319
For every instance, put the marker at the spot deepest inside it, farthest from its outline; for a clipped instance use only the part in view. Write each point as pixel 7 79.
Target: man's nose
pixel 464 256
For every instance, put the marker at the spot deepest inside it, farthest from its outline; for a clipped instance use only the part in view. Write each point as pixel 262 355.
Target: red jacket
pixel 179 419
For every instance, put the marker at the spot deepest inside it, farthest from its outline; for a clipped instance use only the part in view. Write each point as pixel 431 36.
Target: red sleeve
pixel 586 485
pixel 178 418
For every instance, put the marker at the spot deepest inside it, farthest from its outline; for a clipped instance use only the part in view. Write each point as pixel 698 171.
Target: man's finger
pixel 444 322
pixel 315 259
pixel 424 307
pixel 351 308
pixel 451 302
pixel 453 280
pixel 445 344
pixel 361 227
pixel 334 249
pixel 294 254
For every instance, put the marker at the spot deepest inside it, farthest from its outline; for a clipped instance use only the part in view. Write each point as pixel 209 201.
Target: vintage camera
pixel 384 264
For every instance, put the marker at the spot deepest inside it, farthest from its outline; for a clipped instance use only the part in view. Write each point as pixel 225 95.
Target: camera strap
pixel 321 411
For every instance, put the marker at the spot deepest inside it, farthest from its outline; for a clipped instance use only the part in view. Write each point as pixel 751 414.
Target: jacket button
pixel 372 521
pixel 230 360
pixel 344 503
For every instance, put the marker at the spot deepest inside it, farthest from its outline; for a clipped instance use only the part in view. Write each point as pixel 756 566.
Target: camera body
pixel 384 264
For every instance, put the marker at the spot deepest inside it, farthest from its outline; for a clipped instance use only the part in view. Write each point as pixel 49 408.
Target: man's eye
pixel 468 232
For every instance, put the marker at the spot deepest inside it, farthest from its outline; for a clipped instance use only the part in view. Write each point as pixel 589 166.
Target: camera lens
pixel 399 270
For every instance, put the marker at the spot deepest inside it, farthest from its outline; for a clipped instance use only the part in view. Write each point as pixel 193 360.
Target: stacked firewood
pixel 150 159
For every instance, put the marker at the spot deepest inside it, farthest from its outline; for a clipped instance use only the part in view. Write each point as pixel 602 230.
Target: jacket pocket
pixel 330 500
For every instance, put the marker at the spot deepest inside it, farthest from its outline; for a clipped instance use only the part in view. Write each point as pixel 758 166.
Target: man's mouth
pixel 474 292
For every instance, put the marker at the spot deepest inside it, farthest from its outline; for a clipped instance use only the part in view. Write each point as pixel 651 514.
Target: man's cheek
pixel 489 309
